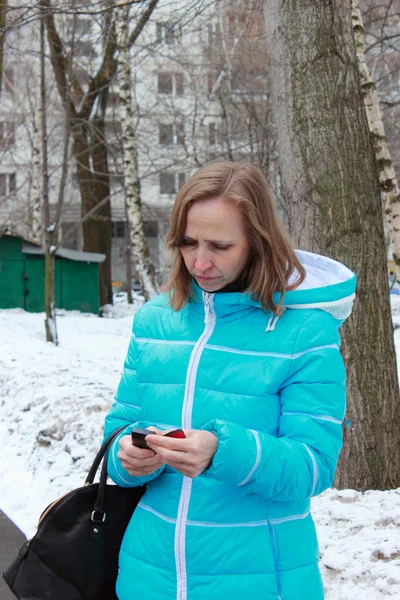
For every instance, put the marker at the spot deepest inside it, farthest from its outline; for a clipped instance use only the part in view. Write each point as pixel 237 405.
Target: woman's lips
pixel 205 278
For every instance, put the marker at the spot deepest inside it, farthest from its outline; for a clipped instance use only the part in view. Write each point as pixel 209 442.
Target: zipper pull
pixel 207 308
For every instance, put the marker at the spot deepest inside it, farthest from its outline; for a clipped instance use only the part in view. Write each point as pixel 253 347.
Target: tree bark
pixel 37 212
pixel 332 197
pixel 128 265
pixel 141 255
pixel 386 173
pixel 87 110
pixel 3 25
pixel 49 295
pixel 87 129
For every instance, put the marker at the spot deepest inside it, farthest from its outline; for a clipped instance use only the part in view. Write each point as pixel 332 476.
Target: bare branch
pixel 142 22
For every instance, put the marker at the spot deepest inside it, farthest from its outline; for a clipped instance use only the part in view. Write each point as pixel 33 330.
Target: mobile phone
pixel 138 437
pixel 176 433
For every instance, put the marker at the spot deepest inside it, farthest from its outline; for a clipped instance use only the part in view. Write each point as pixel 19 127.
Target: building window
pixel 12 183
pixel 69 235
pixel 8 183
pixel 3 184
pixel 117 181
pixel 118 229
pixel 82 25
pixel 167 183
pixel 178 77
pixel 7 134
pixel 172 133
pixel 168 34
pixel 211 80
pixel 166 134
pixel 180 134
pixel 170 83
pixel 171 182
pixel 211 134
pixel 165 83
pixel 214 35
pixel 150 228
pixel 9 80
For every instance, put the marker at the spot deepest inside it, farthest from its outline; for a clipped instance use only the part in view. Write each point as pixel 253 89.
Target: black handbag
pixel 74 553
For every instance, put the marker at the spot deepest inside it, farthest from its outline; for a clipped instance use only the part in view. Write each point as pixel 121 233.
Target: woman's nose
pixel 203 261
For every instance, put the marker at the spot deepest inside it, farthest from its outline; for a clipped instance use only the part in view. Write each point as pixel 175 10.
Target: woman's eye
pixel 221 247
pixel 187 242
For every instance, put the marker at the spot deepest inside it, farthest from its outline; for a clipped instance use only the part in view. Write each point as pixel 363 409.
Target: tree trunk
pixel 37 213
pixel 87 128
pixel 128 265
pixel 3 24
pixel 332 196
pixel 102 191
pixel 87 109
pixel 141 255
pixel 387 176
pixel 49 296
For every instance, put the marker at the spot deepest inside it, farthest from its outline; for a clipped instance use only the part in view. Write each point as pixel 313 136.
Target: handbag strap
pixel 99 514
pixel 101 453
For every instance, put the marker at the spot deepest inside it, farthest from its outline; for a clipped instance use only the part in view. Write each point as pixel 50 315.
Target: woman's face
pixel 215 247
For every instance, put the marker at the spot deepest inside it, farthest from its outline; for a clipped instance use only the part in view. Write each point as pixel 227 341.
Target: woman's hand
pixel 138 461
pixel 191 455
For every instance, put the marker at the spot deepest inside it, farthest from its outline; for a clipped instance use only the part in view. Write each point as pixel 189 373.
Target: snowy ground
pixel 52 405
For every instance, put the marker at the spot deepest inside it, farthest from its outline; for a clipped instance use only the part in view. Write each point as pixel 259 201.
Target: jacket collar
pixel 224 304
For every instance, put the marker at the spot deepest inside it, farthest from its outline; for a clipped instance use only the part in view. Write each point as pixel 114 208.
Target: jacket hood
pixel 328 286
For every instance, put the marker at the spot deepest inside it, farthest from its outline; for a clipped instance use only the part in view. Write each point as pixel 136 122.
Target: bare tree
pixel 143 263
pixel 87 106
pixel 36 226
pixel 333 201
pixel 49 293
pixel 3 20
pixel 387 176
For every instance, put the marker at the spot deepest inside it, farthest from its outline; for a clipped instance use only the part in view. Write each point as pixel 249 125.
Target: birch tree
pixel 37 212
pixel 3 23
pixel 87 106
pixel 141 255
pixel 49 293
pixel 386 173
pixel 333 202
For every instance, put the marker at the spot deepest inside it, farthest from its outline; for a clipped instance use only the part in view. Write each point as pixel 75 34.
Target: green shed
pixel 22 276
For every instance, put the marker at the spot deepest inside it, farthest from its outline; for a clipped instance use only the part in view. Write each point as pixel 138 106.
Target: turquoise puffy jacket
pixel 272 389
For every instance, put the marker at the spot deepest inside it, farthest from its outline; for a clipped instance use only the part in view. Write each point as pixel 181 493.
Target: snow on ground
pixel 53 401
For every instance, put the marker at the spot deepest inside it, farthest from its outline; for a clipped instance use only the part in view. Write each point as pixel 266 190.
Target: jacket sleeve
pixel 301 461
pixel 126 410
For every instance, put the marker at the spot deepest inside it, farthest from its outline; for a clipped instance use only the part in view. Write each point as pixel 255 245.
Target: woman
pixel 242 353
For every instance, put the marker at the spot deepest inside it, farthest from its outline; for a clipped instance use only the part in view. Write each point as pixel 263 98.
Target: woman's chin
pixel 210 285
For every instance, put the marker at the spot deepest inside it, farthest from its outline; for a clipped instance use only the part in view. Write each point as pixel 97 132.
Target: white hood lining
pixel 321 271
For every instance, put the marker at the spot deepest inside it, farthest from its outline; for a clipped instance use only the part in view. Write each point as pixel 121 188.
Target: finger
pixel 134 451
pixel 173 456
pixel 135 461
pixel 161 441
pixel 157 431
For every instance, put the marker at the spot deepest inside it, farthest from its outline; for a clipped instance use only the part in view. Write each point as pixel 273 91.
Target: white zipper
pixel 323 304
pixel 187 409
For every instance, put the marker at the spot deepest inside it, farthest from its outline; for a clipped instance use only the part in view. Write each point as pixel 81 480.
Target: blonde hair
pixel 272 259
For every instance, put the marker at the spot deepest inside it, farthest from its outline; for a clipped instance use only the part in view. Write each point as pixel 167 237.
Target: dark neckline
pixel 235 286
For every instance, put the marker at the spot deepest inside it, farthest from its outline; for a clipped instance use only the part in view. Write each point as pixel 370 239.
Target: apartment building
pixel 199 94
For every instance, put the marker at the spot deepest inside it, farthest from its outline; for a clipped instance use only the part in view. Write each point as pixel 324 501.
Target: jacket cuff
pixel 238 453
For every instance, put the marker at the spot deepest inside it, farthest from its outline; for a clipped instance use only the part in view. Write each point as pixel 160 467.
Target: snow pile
pixel 359 540
pixel 53 401
pixel 395 304
pixel 121 308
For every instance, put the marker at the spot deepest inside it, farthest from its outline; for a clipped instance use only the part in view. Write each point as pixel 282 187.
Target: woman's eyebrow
pixel 187 237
